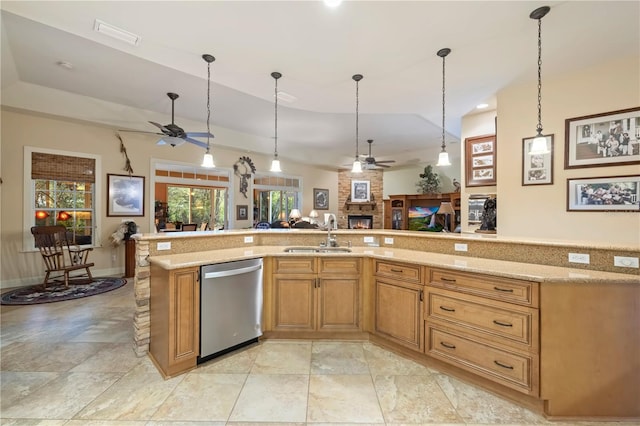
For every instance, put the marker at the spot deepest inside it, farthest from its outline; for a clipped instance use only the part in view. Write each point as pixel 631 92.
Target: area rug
pixel 34 294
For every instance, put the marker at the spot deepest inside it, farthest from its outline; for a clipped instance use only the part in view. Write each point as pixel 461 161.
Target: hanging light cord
pixel 539 127
pixel 208 101
pixel 357 104
pixel 276 120
pixel 443 145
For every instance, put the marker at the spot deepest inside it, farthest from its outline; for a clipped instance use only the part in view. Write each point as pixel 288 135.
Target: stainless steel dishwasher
pixel 230 306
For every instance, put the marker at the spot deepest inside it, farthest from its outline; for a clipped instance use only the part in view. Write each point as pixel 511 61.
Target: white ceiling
pixel 317 49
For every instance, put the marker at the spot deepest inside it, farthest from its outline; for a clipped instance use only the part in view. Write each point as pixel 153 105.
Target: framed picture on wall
pixel 537 169
pixel 320 199
pixel 242 212
pixel 609 193
pixel 360 191
pixel 125 195
pixel 480 154
pixel 606 139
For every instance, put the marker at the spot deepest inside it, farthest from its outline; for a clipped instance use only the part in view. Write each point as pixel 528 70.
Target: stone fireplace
pixel 347 208
pixel 361 221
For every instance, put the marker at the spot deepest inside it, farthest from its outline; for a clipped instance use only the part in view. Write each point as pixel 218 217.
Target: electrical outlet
pixel 248 239
pixel 579 258
pixel 460 247
pixel 388 240
pixel 625 262
pixel 164 246
pixel 368 239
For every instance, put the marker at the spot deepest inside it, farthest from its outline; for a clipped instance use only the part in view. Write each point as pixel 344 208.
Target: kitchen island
pixel 560 340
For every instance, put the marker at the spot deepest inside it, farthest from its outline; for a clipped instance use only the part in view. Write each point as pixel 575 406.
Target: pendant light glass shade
pixel 539 144
pixel 275 163
pixel 357 165
pixel 207 160
pixel 443 158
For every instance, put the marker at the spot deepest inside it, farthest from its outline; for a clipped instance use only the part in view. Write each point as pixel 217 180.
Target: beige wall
pixel 21 129
pixel 403 180
pixel 540 211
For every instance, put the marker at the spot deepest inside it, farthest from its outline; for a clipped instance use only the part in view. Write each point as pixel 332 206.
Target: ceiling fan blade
pixel 195 142
pixel 159 126
pixel 199 134
pixel 140 131
pixel 385 161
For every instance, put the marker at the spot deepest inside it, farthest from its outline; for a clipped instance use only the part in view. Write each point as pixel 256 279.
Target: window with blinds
pixel 64 193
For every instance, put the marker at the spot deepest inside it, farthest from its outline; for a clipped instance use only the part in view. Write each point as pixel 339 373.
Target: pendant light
pixel 275 163
pixel 539 144
pixel 443 158
pixel 207 160
pixel 357 165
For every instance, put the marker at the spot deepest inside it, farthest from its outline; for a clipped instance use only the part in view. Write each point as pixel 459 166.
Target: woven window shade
pixel 62 168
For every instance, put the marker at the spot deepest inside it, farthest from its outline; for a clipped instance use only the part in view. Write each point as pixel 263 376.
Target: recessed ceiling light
pixel 115 32
pixel 65 65
pixel 332 3
pixel 482 106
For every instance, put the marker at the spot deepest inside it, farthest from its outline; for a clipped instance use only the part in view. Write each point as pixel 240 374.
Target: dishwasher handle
pixel 232 272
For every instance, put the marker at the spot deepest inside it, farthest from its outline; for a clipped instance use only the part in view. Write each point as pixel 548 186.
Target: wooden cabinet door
pixel 184 315
pixel 399 313
pixel 294 299
pixel 338 304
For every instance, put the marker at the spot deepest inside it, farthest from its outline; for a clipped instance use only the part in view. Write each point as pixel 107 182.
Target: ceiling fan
pixel 370 163
pixel 174 135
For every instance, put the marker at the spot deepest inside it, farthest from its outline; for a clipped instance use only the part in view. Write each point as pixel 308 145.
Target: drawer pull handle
pixel 448 345
pixel 396 270
pixel 449 280
pixel 506 290
pixel 447 309
pixel 504 324
pixel 499 364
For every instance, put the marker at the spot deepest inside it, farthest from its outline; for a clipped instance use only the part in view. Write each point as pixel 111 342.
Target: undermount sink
pixel 317 250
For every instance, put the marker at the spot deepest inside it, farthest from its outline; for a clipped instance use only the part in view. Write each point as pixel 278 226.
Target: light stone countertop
pixel 523 271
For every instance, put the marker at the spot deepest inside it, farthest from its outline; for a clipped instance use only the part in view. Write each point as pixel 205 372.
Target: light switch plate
pixel 626 262
pixel 460 247
pixel 368 239
pixel 248 239
pixel 579 258
pixel 164 246
pixel 388 240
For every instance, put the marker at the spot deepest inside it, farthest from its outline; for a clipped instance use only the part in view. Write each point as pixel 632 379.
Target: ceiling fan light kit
pixel 539 144
pixel 357 165
pixel 443 158
pixel 207 160
pixel 275 163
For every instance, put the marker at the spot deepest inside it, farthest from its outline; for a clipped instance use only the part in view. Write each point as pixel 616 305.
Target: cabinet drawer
pixel 401 271
pixel 498 288
pixel 500 322
pixel 519 372
pixel 343 266
pixel 294 265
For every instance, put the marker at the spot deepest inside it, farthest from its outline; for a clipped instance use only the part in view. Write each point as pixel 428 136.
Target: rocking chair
pixel 59 256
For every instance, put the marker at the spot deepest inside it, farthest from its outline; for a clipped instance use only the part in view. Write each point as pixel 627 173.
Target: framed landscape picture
pixel 537 169
pixel 480 154
pixel 606 139
pixel 125 195
pixel 610 193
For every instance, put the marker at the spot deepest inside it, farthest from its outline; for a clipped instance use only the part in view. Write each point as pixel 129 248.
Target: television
pixel 423 219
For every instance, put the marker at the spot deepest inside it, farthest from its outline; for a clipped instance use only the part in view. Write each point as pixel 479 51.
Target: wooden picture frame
pixel 320 199
pixel 360 191
pixel 537 169
pixel 480 159
pixel 608 193
pixel 606 139
pixel 242 212
pixel 125 195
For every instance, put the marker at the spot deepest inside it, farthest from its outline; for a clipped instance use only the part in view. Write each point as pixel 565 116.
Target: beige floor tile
pixel 343 398
pixel 32 422
pixel 136 396
pixel 272 398
pixel 112 358
pixel 475 405
pixel 46 357
pixel 63 397
pixel 202 397
pixel 285 357
pixel 106 423
pixel 414 399
pixel 172 423
pixel 384 363
pixel 18 385
pixel 338 358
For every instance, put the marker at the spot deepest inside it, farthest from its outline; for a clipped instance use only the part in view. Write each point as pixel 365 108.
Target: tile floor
pixel 72 363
